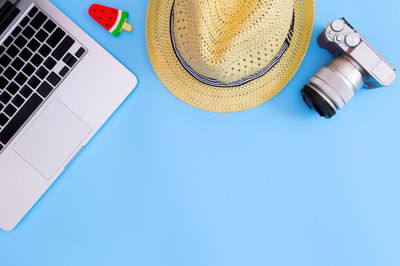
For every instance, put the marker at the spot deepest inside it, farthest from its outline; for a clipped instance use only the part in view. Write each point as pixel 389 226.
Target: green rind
pixel 124 17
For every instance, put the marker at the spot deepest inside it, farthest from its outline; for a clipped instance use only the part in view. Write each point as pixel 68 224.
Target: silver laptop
pixel 57 88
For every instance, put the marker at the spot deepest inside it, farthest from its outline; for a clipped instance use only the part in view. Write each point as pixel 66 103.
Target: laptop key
pixel 12 51
pixel 20 118
pixel 37 60
pixel 64 71
pixel 10 73
pixel 20 42
pixel 21 79
pixel 12 88
pixel 28 69
pixel 3 119
pixel 33 11
pixel 16 31
pixel 56 37
pixel 42 72
pixel 24 21
pixel 49 26
pixel 18 100
pixel 8 41
pixel 2 49
pixel 33 45
pixel 41 35
pixel 44 89
pixel 26 54
pixel 26 91
pixel 1 146
pixel 3 82
pixel 50 63
pixel 80 52
pixel 63 48
pixel 70 60
pixel 17 64
pixel 10 110
pixel 44 50
pixel 34 82
pixel 38 21
pixel 28 32
pixel 5 97
pixel 53 78
pixel 5 60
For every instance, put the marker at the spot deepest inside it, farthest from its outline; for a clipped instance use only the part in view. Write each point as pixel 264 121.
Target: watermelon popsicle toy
pixel 111 19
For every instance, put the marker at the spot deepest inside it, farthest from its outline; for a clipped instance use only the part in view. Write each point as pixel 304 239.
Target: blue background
pixel 164 183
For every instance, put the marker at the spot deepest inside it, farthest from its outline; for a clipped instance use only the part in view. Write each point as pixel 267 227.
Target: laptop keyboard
pixel 34 59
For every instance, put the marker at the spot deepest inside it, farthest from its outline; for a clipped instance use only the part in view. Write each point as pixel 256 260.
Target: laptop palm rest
pixel 52 139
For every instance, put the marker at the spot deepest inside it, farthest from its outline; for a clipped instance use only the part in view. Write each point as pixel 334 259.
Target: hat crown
pixel 228 40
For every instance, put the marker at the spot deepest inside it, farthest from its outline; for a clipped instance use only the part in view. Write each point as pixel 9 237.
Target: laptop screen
pixel 8 12
pixel 14 2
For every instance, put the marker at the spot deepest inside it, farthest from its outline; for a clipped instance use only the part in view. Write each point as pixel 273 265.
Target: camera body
pixel 356 63
pixel 340 37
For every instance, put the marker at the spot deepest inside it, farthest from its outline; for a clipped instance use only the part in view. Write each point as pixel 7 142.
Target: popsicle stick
pixel 127 27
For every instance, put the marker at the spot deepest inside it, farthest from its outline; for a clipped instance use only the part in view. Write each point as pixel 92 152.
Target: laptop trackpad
pixel 52 139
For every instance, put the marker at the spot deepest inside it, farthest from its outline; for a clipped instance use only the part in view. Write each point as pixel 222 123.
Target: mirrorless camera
pixel 356 63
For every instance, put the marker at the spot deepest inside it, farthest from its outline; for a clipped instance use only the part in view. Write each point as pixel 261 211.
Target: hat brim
pixel 217 99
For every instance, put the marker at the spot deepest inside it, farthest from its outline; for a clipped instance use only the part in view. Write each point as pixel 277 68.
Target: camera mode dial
pixel 337 25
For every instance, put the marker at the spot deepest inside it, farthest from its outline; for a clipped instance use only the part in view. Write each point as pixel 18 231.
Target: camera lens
pixel 333 86
pixel 316 101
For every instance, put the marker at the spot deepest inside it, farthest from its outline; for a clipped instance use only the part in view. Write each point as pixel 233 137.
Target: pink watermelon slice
pixel 111 19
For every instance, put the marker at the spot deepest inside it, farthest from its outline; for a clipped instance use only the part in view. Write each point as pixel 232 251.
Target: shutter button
pixel 353 39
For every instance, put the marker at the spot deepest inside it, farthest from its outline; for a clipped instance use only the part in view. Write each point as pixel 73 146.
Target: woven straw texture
pixel 227 40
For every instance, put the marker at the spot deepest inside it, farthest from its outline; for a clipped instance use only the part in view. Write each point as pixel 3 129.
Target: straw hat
pixel 227 55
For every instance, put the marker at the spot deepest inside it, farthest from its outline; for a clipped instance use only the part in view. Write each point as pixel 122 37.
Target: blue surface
pixel 166 184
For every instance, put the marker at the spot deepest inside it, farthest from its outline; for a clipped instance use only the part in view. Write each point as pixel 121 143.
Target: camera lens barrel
pixel 334 86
